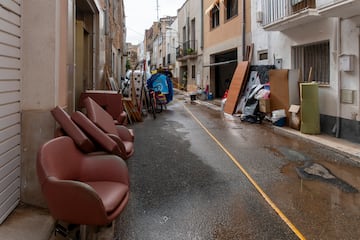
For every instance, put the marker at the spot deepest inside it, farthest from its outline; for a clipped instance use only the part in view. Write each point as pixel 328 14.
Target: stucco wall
pixel 279 45
pixel 41 74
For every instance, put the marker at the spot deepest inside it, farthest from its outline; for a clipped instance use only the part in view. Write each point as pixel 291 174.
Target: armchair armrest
pixel 74 201
pixel 118 141
pixel 125 133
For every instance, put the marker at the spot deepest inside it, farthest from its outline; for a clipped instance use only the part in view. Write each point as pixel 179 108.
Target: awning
pixel 216 3
pixel 220 63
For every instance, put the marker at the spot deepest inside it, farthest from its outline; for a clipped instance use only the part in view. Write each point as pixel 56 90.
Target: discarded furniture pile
pixel 82 170
pixel 135 88
pixel 278 95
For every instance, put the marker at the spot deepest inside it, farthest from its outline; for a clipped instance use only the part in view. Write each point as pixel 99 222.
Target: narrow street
pixel 198 175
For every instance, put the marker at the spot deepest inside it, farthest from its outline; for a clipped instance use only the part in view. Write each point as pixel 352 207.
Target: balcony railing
pixel 187 49
pixel 277 10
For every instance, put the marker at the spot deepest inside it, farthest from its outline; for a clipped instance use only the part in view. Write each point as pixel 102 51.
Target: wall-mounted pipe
pixel 243 29
pixel 338 51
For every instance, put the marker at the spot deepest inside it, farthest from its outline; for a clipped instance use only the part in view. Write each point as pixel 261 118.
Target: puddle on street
pixel 322 210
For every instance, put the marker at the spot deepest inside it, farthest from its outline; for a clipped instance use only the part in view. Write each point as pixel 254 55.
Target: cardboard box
pixel 295 120
pixel 264 105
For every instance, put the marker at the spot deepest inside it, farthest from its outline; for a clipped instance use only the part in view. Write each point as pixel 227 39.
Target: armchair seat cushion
pixel 110 193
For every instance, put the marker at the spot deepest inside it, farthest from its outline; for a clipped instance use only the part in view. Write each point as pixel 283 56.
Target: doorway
pixel 224 67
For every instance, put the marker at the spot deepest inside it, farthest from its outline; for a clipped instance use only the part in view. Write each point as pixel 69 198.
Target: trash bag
pixel 251 109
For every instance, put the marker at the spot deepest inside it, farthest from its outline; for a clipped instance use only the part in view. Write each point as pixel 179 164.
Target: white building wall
pixel 189 11
pixel 279 46
pixel 350 80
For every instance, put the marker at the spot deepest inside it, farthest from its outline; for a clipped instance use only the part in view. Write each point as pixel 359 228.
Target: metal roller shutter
pixel 10 57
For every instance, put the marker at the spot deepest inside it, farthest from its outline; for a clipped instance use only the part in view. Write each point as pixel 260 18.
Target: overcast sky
pixel 140 15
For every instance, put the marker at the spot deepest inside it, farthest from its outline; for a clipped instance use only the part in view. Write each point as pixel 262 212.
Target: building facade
pixel 48 61
pixel 321 40
pixel 227 28
pixel 189 52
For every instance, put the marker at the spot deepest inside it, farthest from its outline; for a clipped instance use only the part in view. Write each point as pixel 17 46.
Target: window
pixel 231 7
pixel 193 71
pixel 294 2
pixel 215 17
pixel 263 55
pixel 314 61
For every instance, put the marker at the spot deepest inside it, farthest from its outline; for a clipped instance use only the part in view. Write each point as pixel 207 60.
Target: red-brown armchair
pixel 80 188
pixel 103 120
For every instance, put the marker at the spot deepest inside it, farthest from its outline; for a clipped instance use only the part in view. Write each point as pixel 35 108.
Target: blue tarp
pixel 161 83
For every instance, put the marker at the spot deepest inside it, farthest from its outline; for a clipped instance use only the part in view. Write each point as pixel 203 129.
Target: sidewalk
pixel 347 148
pixel 342 146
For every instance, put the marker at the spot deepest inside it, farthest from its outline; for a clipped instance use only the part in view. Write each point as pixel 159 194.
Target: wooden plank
pixel 236 86
pixel 279 87
pixel 132 111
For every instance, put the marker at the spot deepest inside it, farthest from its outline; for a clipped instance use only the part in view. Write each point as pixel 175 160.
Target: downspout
pixel 202 26
pixel 243 29
pixel 338 49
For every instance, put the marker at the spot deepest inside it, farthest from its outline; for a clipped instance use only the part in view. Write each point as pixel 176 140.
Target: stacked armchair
pixel 82 171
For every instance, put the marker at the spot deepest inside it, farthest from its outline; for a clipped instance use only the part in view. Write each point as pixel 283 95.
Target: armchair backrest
pixel 97 134
pixel 62 164
pixel 72 130
pixel 99 116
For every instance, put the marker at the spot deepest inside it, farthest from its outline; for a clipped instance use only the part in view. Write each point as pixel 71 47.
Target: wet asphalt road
pixel 185 186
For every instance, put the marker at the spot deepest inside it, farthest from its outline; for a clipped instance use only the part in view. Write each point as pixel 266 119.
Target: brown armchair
pixel 109 142
pixel 81 189
pixel 69 128
pixel 111 101
pixel 103 120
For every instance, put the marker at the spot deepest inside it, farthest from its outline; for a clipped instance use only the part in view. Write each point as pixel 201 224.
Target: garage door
pixel 10 36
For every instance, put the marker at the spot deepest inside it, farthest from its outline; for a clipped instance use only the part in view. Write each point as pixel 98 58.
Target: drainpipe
pixel 338 49
pixel 243 29
pixel 202 25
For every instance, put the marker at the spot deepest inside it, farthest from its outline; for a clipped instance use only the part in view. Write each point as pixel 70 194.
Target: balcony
pixel 186 50
pixel 279 15
pixel 339 8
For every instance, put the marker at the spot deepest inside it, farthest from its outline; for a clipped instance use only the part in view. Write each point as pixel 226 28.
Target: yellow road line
pixel 263 194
